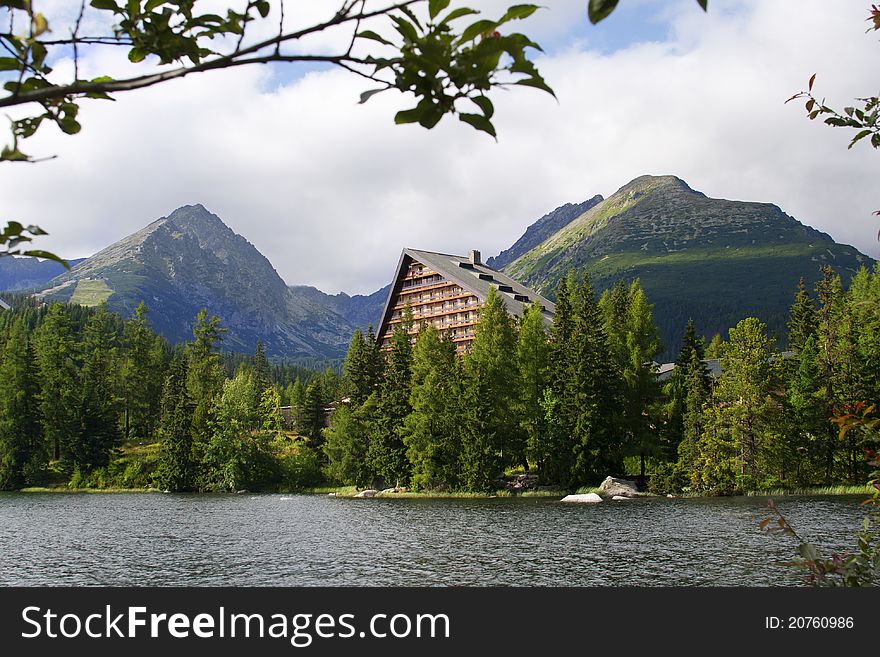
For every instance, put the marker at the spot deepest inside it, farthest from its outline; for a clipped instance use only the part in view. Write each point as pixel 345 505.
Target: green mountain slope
pixel 712 260
pixel 190 260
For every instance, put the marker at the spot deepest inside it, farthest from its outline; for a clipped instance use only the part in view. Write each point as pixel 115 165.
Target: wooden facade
pixel 448 292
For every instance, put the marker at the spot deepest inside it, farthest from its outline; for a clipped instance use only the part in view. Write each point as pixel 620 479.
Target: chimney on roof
pixel 475 257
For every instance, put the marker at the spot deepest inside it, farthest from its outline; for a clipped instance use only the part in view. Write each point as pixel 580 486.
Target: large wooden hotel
pixel 448 292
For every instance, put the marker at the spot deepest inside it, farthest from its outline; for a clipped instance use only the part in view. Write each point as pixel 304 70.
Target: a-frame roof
pixel 476 278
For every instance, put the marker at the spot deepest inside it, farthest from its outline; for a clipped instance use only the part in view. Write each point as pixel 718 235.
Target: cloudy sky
pixel 330 190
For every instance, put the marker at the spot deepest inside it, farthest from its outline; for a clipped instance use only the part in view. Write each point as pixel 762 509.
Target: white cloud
pixel 330 191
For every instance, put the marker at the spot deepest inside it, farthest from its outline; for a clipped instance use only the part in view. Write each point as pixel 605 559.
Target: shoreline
pixel 350 492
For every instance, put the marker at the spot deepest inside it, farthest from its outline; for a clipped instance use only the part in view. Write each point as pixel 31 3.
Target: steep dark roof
pixel 460 270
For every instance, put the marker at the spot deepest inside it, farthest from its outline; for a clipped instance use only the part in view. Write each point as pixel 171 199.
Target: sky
pixel 330 191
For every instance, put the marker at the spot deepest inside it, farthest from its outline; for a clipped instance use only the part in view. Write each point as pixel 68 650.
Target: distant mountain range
pixel 712 260
pixel 191 260
pixel 26 273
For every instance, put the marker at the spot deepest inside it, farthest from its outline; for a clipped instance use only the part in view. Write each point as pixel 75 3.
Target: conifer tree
pixel 346 444
pixel 743 393
pixel 431 429
pixel 559 405
pixel 177 462
pixel 22 451
pixel 694 418
pixel 806 422
pixel 676 387
pixel 594 390
pixel 802 318
pixel 312 419
pixel 387 451
pixel 205 372
pixel 98 404
pixel 262 378
pixel 58 367
pixel 143 367
pixel 360 368
pixel 640 389
pixel 532 358
pixel 829 316
pixel 493 440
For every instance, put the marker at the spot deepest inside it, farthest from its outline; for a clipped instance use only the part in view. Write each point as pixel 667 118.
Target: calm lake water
pixel 298 540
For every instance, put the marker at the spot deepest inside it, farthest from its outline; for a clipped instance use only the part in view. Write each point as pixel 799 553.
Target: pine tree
pixel 802 318
pixel 532 356
pixel 345 444
pixel 640 389
pixel 829 316
pixel 58 367
pixel 431 432
pixel 177 462
pixel 387 452
pixel 594 390
pixel 694 419
pixel 262 379
pixel 143 367
pixel 493 440
pixel 98 405
pixel 205 372
pixel 743 396
pixel 360 371
pixel 805 419
pixel 676 388
pixel 312 419
pixel 559 405
pixel 22 451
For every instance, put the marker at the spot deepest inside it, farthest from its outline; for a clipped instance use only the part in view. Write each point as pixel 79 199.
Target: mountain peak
pixel 646 184
pixel 713 259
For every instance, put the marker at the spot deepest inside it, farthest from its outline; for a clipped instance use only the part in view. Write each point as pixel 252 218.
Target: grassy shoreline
pixel 351 492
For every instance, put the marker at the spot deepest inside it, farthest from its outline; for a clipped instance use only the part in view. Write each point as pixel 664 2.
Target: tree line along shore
pixel 89 400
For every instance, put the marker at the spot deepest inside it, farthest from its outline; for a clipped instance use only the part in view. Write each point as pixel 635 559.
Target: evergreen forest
pixel 91 400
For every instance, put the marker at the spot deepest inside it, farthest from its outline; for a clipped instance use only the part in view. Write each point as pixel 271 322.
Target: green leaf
pixel 537 83
pixel 37 253
pixel 598 10
pixel 365 96
pixel 369 34
pixel 861 135
pixel 407 30
pixel 105 4
pixel 476 29
pixel 704 4
pixel 263 7
pixel 152 4
pixel 518 12
pixel 458 13
pixel 479 122
pixel 9 64
pixel 137 54
pixel 484 104
pixel 411 15
pixel 436 6
pixel 408 116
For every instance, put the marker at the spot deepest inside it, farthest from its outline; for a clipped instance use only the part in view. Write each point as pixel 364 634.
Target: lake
pixel 311 540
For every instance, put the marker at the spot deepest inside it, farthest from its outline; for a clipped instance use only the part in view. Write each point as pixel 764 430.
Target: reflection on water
pixel 294 540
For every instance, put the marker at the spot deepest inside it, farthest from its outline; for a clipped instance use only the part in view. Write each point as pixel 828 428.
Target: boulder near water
pixel 585 498
pixel 367 493
pixel 619 487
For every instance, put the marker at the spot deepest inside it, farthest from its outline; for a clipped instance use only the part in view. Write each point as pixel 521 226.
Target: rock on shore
pixel 585 498
pixel 612 487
